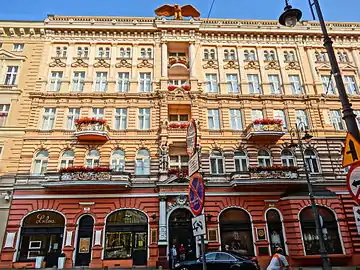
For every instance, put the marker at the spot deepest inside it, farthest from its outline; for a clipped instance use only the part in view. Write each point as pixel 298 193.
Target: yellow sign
pixel 351 151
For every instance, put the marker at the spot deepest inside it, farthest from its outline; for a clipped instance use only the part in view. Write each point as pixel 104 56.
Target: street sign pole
pixel 203 252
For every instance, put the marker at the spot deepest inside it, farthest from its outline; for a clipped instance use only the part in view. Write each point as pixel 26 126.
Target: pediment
pixel 347 67
pixel 324 66
pixel 4 54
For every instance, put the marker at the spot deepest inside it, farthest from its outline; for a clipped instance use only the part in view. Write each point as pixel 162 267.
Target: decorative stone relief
pixel 79 63
pixel 102 63
pixel 164 156
pixel 145 63
pixel 272 65
pixel 57 63
pixel 293 65
pixel 211 64
pixel 123 63
pixel 252 65
pixel 180 201
pixel 231 65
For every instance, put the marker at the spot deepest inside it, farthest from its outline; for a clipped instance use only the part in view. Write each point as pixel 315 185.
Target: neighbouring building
pixel 95 93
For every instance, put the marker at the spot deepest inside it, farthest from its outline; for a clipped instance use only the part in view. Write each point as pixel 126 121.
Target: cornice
pixel 93 95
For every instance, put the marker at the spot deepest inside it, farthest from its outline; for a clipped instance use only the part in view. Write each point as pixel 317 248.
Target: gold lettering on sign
pixel 44 219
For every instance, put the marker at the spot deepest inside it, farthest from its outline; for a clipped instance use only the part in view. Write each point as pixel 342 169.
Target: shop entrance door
pixel 139 250
pixel 84 241
pixel 180 232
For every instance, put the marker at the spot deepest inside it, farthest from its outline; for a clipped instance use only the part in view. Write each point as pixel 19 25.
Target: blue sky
pixel 239 9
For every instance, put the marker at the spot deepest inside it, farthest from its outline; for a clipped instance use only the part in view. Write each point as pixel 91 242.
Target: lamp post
pixel 289 18
pixel 307 137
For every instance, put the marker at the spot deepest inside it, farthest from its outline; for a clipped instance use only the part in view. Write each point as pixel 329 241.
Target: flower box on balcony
pixel 174 87
pixel 178 172
pixel 259 169
pixel 181 125
pixel 265 129
pixel 91 129
pixel 85 174
pixel 88 121
pixel 178 60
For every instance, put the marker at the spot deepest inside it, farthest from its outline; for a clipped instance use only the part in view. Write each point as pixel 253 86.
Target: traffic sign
pixel 198 225
pixel 353 182
pixel 357 217
pixel 351 151
pixel 196 194
pixel 193 164
pixel 191 138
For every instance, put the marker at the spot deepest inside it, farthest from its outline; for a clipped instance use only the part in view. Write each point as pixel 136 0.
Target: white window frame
pixel 325 79
pixel 267 160
pixel 120 122
pixel 67 161
pixel 281 115
pixel 48 119
pixel 72 115
pixel 309 159
pixel 98 113
pixel 275 84
pixel 211 82
pixel 55 81
pixel 123 82
pixel 125 52
pixel 357 113
pixel 179 163
pixel 141 162
pixel 336 120
pixel 254 84
pixel 117 160
pixel 145 79
pixel 11 75
pixel 302 116
pixel 257 115
pixel 92 158
pixel 82 52
pixel 4 111
pixel 144 114
pixel 43 163
pixel 232 82
pixel 18 47
pixel 78 81
pixel 240 159
pixel 351 85
pixel 101 81
pixel 235 119
pixel 219 159
pixel 295 85
pixel 285 159
pixel 213 119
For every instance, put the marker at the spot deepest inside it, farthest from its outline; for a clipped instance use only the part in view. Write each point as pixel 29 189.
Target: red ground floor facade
pixel 136 227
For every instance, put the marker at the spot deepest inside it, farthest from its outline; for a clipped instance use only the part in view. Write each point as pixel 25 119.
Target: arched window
pixel 246 55
pixel 143 53
pixel 272 56
pixel 292 56
pixel 241 161
pixel 266 56
pixel 226 54
pixel 149 53
pixel 206 54
pixel 287 158
pixel 317 56
pixel 329 229
pixel 286 56
pixel 93 158
pixel 216 162
pixel 67 159
pixel 142 162
pixel 264 158
pixel 122 52
pixel 212 54
pixel 232 55
pixel 236 231
pixel 312 161
pixel 126 236
pixel 275 230
pixel 117 161
pixel 40 162
pixel 252 55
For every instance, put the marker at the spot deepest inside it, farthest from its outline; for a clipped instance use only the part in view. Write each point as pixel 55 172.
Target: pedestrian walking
pixel 173 256
pixel 278 261
pixel 182 252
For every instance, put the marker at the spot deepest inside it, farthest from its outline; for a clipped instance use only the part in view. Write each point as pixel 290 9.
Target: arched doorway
pixel 236 231
pixel 42 236
pixel 126 236
pixel 84 241
pixel 329 230
pixel 180 232
pixel 275 230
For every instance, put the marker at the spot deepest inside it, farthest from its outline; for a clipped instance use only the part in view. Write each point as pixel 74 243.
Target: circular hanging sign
pixel 353 182
pixel 191 138
pixel 196 194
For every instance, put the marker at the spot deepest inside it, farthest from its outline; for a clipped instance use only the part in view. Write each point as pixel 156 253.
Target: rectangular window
pixel 4 112
pixel 213 119
pixel 280 115
pixel 350 85
pixel 98 113
pixel 11 74
pixel 18 47
pixel 144 118
pixel 301 117
pixel 123 82
pixel 357 118
pixel 254 84
pixel 257 115
pixel 295 85
pixel 336 119
pixel 211 83
pixel 120 118
pixel 240 159
pixel 179 162
pixel 179 117
pixel 73 114
pixel 83 52
pixel 274 81
pixel 235 119
pixel 232 83
pixel 78 81
pixel 328 85
pixel 55 81
pixel 48 119
pixel 101 82
pixel 145 82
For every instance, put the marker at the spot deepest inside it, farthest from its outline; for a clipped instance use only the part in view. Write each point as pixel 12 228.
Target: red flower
pixel 172 87
pixel 186 87
pixel 268 121
pixel 88 120
pixel 84 169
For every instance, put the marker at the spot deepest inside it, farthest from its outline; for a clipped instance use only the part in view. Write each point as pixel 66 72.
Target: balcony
pixel 265 130
pixel 266 175
pixel 91 129
pixel 82 177
pixel 185 87
pixel 178 66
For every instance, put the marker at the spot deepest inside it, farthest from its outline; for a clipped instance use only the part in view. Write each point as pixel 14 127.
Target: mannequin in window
pixel 275 239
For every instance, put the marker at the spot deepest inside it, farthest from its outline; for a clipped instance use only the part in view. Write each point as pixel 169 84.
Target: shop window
pixel 42 235
pixel 275 230
pixel 236 231
pixel 126 236
pixel 329 230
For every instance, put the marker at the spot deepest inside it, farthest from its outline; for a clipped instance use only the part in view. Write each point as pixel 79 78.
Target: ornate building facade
pixel 115 92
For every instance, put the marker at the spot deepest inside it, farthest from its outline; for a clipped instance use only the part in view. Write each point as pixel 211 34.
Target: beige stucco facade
pixel 238 71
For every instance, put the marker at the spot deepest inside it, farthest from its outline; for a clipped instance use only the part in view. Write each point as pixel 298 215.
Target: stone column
pixel 164 59
pixel 96 260
pixel 192 60
pixel 162 244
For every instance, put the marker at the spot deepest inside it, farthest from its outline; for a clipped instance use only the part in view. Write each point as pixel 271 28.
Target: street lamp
pixel 289 18
pixel 307 137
